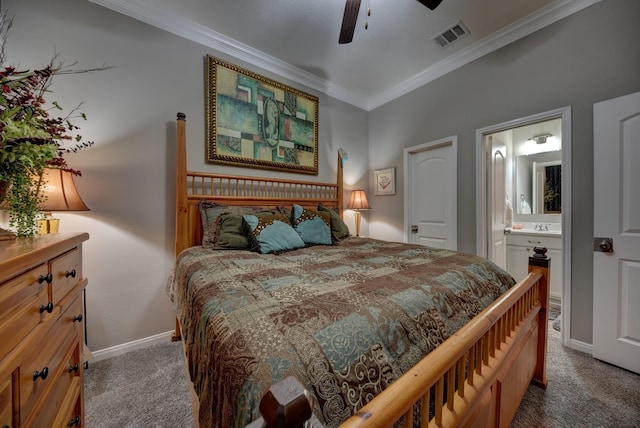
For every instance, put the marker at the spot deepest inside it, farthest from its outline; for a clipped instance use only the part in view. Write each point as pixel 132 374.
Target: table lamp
pixel 60 194
pixel 358 202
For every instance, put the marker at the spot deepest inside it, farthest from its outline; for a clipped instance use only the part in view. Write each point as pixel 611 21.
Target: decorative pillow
pixel 286 211
pixel 209 212
pixel 271 233
pixel 339 230
pixel 312 226
pixel 230 232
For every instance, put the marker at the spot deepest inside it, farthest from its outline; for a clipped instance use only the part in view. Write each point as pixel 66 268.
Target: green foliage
pixel 30 137
pixel 20 170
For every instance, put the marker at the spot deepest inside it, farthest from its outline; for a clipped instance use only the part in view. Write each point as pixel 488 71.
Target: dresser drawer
pixel 20 301
pixel 6 402
pixel 67 272
pixel 60 403
pixel 70 414
pixel 49 353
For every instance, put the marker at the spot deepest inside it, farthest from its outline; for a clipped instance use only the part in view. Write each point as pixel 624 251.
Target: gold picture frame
pixel 385 181
pixel 253 121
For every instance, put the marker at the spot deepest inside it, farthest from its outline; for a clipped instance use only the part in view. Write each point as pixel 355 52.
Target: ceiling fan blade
pixel 431 4
pixel 349 20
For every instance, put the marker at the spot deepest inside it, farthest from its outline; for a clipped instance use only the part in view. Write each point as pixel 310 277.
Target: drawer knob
pixel 75 421
pixel 48 307
pixel 77 318
pixel 71 274
pixel 43 374
pixel 45 278
pixel 74 368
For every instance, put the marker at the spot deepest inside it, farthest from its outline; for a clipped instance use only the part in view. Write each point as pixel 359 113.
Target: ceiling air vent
pixel 450 35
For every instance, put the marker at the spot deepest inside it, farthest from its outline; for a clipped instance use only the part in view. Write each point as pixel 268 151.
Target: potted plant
pixel 31 137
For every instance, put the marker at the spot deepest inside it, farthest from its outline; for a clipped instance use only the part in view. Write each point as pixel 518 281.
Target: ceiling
pixel 298 39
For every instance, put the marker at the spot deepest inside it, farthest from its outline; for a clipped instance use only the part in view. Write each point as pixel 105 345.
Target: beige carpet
pixel 148 388
pixel 582 392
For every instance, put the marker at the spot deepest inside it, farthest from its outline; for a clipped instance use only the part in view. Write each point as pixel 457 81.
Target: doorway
pixel 527 145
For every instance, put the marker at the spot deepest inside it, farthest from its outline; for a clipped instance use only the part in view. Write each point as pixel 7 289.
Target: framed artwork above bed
pixel 253 121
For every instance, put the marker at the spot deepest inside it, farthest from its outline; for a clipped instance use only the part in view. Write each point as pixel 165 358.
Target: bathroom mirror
pixel 538 183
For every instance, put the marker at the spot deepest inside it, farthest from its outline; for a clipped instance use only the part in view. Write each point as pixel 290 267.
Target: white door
pixel 432 194
pixel 497 251
pixel 616 274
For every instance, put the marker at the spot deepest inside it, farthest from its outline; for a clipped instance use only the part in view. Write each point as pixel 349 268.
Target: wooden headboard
pixel 192 187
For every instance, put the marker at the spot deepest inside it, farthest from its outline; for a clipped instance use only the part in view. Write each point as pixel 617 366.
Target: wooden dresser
pixel 41 331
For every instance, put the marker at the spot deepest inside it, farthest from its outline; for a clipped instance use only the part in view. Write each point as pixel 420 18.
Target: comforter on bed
pixel 345 320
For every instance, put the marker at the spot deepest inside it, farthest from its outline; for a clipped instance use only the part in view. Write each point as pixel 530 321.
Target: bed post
pixel 181 228
pixel 339 182
pixel 539 261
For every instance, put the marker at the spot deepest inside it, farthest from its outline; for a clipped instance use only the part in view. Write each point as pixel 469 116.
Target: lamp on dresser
pixel 60 194
pixel 358 202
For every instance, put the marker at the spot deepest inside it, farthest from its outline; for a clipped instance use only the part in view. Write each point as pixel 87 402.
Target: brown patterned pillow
pixel 230 233
pixel 339 230
pixel 209 212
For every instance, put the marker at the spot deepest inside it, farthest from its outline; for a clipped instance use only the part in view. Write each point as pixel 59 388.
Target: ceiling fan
pixel 351 10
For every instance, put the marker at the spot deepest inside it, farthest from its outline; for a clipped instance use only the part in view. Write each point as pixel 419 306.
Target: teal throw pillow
pixel 313 227
pixel 271 233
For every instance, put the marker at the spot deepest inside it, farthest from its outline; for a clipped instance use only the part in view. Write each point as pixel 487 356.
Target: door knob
pixel 603 245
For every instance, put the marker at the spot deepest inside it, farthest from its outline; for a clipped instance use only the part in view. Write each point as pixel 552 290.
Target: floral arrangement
pixel 31 136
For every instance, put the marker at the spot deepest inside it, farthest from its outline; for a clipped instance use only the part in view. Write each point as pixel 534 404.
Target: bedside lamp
pixel 357 202
pixel 60 194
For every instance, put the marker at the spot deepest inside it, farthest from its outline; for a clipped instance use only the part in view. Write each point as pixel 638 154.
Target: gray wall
pixel 128 176
pixel 588 57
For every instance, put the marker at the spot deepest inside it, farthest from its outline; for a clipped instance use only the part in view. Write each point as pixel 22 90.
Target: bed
pixel 377 333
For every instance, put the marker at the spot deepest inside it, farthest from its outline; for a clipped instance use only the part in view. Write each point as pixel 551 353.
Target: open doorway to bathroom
pixel 524 199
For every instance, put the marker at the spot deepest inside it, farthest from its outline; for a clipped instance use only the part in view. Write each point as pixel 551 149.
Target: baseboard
pixel 114 351
pixel 587 348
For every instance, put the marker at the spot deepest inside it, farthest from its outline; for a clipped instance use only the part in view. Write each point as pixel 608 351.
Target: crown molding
pixel 195 32
pixel 145 12
pixel 517 30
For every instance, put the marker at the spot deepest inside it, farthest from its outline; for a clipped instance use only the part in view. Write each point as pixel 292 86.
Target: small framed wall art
pixel 385 181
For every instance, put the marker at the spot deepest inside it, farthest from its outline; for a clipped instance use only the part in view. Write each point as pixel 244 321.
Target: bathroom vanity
pixel 520 243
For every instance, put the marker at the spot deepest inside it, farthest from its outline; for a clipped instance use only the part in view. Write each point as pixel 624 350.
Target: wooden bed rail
pixel 478 376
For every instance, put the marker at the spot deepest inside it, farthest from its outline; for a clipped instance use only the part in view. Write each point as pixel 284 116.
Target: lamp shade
pixel 358 201
pixel 60 191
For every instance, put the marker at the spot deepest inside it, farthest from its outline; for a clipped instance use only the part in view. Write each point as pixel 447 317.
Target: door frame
pixel 482 205
pixel 408 173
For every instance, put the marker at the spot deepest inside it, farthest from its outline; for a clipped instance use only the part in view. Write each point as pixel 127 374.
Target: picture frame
pixel 253 121
pixel 385 181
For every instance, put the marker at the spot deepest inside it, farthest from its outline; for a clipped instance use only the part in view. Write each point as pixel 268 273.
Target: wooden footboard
pixel 479 375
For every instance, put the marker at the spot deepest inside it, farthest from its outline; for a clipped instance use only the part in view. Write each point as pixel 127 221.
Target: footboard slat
pixel 424 405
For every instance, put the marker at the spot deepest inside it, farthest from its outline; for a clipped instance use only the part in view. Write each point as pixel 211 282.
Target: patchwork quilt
pixel 346 320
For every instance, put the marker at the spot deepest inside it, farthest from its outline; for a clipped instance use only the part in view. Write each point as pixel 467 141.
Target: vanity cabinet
pixel 41 331
pixel 520 247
